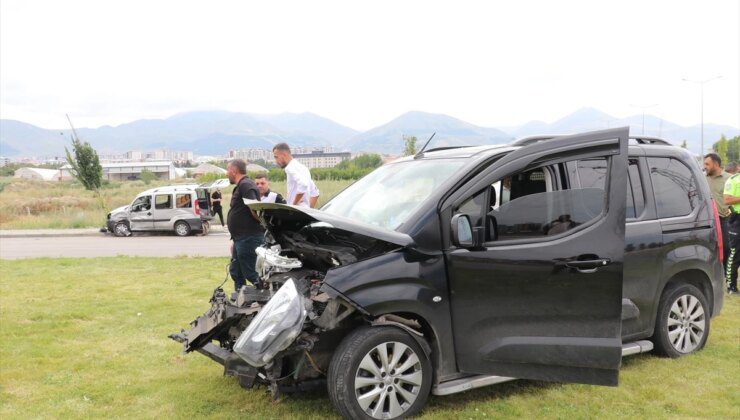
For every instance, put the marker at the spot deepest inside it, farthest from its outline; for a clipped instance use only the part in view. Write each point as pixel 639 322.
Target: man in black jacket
pixel 246 232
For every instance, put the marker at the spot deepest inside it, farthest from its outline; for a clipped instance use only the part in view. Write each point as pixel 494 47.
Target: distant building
pixel 37 174
pixel 251 154
pixel 207 168
pixel 133 155
pixel 320 159
pixel 130 171
pixel 252 167
pixel 4 161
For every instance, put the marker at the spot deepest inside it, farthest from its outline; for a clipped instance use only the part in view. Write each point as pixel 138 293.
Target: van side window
pixel 536 210
pixel 142 203
pixel 163 201
pixel 184 201
pixel 635 196
pixel 676 190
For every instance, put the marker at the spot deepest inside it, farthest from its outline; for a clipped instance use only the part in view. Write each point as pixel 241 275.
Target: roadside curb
pixel 49 233
pixel 58 233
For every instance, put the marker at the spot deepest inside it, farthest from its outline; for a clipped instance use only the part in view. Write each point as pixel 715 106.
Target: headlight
pixel 274 327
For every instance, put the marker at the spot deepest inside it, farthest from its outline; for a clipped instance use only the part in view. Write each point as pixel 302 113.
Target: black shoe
pixel 732 291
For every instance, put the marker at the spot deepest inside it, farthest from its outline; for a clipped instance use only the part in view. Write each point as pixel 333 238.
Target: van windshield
pixel 389 195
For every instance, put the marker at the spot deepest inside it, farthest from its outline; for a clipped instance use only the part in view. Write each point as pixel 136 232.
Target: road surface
pixel 216 244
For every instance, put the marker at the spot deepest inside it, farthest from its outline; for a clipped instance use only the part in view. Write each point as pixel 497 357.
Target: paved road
pixel 215 244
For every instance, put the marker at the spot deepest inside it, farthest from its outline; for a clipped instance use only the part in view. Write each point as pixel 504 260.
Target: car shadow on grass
pixel 313 404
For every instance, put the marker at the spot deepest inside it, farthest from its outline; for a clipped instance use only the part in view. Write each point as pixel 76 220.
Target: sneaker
pixel 732 291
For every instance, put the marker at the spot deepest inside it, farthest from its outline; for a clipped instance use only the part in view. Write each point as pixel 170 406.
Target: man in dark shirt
pixel 246 232
pixel 217 209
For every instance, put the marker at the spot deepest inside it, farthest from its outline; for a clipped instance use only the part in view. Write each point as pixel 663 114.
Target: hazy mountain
pixel 388 138
pixel 586 119
pixel 20 139
pixel 309 125
pixel 208 132
pixel 217 132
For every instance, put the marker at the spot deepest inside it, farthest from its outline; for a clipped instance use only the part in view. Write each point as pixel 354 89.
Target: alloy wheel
pixel 686 323
pixel 388 380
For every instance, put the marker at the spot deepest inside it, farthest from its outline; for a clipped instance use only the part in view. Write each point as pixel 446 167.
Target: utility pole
pixel 701 86
pixel 643 107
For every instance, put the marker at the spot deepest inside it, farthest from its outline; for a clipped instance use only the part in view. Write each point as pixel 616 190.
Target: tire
pixel 121 229
pixel 682 324
pixel 182 228
pixel 402 394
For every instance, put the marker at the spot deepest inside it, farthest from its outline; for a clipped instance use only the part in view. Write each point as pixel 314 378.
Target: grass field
pixel 56 205
pixel 88 338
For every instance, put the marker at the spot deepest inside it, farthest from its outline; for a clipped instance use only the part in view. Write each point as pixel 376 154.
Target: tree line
pixel 728 149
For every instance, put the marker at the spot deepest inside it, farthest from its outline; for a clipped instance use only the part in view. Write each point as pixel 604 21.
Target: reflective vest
pixel 269 198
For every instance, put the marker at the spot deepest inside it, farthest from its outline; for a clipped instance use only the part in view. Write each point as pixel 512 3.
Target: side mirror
pixel 462 231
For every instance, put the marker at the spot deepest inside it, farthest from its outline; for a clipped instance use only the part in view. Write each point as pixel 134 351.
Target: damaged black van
pixel 549 259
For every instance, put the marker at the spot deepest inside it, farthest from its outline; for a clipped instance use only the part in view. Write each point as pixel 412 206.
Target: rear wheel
pixel 683 320
pixel 182 228
pixel 121 229
pixel 379 373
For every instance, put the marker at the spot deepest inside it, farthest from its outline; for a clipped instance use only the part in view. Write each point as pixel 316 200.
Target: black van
pixel 547 259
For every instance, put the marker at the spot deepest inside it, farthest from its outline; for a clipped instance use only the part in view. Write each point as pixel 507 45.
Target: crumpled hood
pixel 119 210
pixel 309 215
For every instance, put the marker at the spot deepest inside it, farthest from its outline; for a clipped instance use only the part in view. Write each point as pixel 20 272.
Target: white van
pixel 182 209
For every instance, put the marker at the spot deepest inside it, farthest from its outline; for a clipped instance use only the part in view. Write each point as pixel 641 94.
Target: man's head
pixel 263 184
pixel 712 164
pixel 281 153
pixel 235 170
pixel 731 167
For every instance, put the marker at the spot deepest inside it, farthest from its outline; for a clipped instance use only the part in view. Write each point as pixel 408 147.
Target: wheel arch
pixel 420 329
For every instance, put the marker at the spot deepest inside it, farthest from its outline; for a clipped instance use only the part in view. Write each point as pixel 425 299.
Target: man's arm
pixel 297 199
pixel 251 194
pixel 313 200
pixel 731 199
pixel 280 199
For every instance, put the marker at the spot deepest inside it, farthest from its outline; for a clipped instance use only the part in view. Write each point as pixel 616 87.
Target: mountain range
pixel 216 132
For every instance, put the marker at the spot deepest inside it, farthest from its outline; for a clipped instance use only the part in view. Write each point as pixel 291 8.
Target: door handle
pixel 149 213
pixel 581 264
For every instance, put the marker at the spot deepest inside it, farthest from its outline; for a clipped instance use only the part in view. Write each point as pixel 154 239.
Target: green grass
pixel 88 338
pixel 28 204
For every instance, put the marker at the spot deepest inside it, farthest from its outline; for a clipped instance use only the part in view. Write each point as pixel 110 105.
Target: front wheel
pixel 682 326
pixel 121 229
pixel 379 373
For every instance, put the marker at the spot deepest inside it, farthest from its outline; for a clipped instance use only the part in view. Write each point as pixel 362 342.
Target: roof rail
pixel 526 141
pixel 436 149
pixel 649 140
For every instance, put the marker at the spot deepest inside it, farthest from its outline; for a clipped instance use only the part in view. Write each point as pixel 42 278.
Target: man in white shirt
pixel 301 189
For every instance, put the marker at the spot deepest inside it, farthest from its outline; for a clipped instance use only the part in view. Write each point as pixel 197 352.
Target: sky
pixel 362 64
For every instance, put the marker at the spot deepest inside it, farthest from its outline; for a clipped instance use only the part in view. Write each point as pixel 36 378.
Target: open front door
pixel 539 295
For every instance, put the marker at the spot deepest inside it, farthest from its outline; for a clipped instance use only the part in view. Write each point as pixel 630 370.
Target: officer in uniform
pixel 267 196
pixel 732 199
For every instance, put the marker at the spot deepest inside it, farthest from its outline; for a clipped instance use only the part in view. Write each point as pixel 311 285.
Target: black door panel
pixel 523 307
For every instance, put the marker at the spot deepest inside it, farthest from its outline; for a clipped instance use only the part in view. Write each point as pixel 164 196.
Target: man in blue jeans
pixel 245 229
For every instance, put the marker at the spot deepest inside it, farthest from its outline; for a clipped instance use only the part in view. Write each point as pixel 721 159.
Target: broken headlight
pixel 274 328
pixel 269 262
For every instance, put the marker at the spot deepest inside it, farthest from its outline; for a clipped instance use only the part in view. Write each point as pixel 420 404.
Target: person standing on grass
pixel 301 189
pixel 716 178
pixel 267 196
pixel 216 203
pixel 244 226
pixel 732 200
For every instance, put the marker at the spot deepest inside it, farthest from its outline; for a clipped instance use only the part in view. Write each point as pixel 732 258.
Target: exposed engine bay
pixel 283 336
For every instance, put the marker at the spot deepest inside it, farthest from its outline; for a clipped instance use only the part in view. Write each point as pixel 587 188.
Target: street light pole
pixel 701 90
